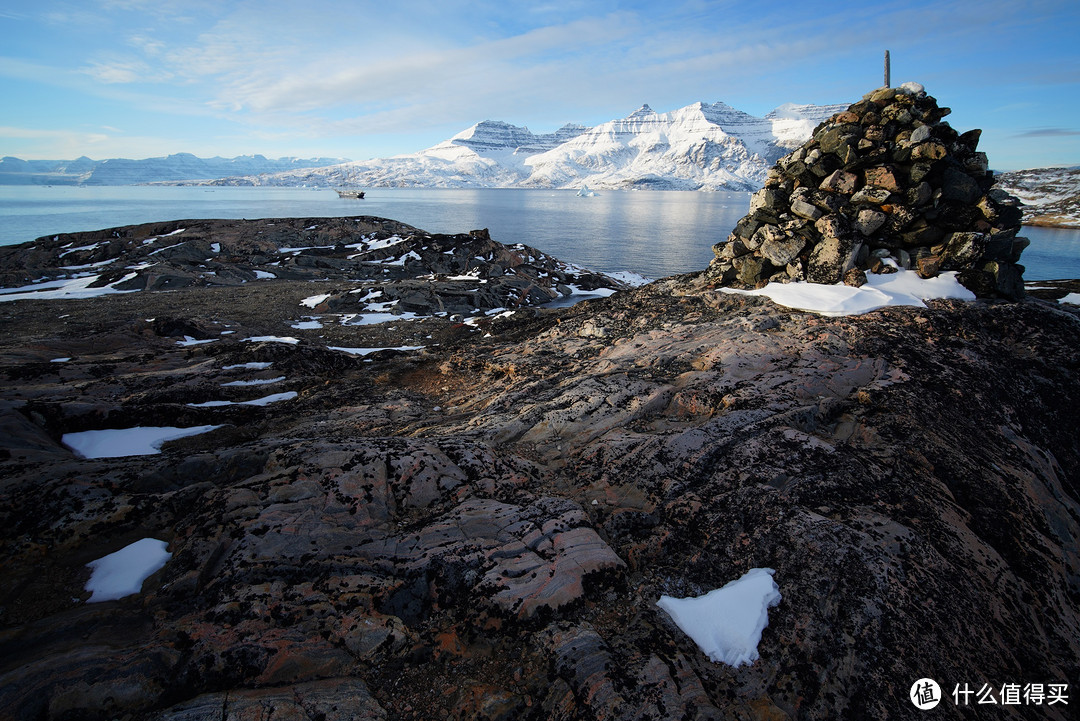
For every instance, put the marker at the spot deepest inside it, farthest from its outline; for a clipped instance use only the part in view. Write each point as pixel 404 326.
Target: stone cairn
pixel 881 186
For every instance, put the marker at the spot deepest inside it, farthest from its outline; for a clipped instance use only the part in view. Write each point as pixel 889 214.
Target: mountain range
pixel 699 147
pixel 124 171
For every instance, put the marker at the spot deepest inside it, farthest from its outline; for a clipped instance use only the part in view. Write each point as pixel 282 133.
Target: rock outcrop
pixel 480 528
pixel 886 184
pixel 371 264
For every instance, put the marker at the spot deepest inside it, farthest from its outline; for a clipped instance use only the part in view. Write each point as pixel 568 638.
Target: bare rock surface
pixel 480 527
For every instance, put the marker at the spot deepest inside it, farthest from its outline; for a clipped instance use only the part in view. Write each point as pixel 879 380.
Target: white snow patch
pixel 216 247
pixel 376 318
pixel 299 249
pixel 60 360
pixel 263 275
pixel 273 339
pixel 167 247
pixel 369 351
pixel 256 382
pixel 374 244
pixel 411 255
pixel 87 265
pixel 252 366
pixel 595 293
pixel 188 340
pixel 314 300
pixel 726 623
pixel 92 246
pixel 904 287
pixel 68 288
pixel 1073 298
pixel 122 442
pixel 312 323
pixel 122 573
pixel 264 401
pixel 634 280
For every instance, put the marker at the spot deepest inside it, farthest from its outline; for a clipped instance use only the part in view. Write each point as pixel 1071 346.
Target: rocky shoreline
pixel 466 512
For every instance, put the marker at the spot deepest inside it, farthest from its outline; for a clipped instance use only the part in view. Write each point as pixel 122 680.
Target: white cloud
pixel 118 72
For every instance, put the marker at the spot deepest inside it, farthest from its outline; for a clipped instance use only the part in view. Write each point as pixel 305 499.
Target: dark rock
pixel 960 186
pixel 855 277
pixel 781 251
pixel 840 182
pixel 882 177
pixel 869 220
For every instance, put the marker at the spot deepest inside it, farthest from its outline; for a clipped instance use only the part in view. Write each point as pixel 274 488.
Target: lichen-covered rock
pixel 890 169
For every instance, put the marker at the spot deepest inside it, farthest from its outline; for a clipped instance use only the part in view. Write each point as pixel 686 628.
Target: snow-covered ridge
pixel 1051 196
pixel 703 146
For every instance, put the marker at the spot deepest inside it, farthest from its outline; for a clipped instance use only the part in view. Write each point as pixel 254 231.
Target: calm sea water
pixel 654 233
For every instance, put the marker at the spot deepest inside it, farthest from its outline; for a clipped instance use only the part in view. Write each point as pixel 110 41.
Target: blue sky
pixel 359 79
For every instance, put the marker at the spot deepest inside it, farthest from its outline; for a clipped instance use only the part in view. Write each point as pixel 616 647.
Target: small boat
pixel 357 194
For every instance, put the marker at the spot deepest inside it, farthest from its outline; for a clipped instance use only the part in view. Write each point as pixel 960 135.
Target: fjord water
pixel 654 233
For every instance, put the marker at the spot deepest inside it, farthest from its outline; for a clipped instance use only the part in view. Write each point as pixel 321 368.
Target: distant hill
pixel 1051 196
pixel 122 171
pixel 699 147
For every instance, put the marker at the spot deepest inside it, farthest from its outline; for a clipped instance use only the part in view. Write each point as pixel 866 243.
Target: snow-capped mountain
pixel 700 147
pixel 123 171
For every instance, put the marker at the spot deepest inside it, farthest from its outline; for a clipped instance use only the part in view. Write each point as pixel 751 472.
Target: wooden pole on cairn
pixel 887 83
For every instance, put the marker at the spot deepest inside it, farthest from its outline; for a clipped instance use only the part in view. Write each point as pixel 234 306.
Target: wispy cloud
pixel 8 131
pixel 119 72
pixel 43 143
pixel 1048 133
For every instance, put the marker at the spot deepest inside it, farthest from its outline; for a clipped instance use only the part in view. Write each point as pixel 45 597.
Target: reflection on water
pixel 654 233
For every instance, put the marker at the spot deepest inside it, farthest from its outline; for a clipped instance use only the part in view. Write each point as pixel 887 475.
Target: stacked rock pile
pixel 881 186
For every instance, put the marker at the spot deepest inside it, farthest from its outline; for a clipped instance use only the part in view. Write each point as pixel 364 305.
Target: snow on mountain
pixel 124 171
pixel 1051 196
pixel 700 147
